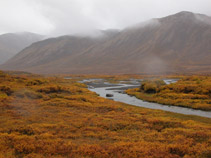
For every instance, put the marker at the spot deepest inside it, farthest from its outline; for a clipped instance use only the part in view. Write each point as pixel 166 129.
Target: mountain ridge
pixel 176 43
pixel 12 43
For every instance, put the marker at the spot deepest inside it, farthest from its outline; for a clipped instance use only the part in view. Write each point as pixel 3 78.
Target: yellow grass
pixel 52 117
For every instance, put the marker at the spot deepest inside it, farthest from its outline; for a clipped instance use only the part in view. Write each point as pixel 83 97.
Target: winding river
pixel 117 90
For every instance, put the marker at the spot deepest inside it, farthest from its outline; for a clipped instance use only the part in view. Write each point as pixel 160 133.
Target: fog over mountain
pixel 172 44
pixel 64 17
pixel 109 36
pixel 12 43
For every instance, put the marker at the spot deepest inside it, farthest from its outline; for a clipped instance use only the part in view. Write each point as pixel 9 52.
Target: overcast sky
pixel 59 17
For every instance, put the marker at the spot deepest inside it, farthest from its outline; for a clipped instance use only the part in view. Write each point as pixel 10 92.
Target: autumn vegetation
pixel 53 117
pixel 192 92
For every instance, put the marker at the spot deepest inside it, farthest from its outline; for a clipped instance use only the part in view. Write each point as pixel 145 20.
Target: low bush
pixel 151 86
pixel 28 94
pixel 6 90
pixel 53 89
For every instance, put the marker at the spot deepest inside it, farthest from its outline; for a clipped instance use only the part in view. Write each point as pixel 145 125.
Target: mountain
pixel 176 43
pixel 12 43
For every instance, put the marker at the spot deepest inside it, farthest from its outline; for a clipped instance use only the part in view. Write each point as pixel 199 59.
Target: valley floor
pixel 53 117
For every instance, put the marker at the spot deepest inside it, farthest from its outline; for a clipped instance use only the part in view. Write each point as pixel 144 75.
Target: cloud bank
pixel 60 17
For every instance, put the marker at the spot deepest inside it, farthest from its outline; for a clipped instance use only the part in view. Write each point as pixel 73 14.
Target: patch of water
pixel 124 98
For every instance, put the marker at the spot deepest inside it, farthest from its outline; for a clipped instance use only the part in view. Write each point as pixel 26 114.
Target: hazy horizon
pixel 56 18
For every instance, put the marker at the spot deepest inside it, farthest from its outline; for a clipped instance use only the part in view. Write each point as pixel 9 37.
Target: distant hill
pixel 12 43
pixel 179 43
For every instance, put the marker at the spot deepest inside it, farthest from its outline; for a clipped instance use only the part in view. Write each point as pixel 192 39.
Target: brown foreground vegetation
pixel 52 117
pixel 192 92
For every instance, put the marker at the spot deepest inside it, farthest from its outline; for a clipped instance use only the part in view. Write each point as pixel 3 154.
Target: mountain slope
pixel 177 43
pixel 12 43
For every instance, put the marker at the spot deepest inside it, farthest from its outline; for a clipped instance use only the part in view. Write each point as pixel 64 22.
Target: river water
pixel 102 88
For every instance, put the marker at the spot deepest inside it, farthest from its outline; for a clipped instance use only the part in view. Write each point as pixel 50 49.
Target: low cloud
pixel 60 17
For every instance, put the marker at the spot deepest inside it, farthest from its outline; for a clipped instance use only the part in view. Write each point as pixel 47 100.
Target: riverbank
pixel 118 94
pixel 190 92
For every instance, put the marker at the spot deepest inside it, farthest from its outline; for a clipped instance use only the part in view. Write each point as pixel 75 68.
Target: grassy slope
pixel 52 117
pixel 191 92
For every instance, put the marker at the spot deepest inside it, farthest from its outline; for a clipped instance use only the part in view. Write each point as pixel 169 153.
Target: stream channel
pixel 101 87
